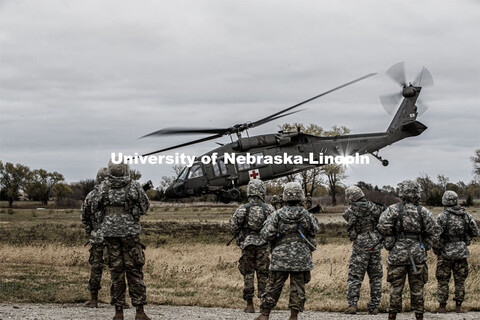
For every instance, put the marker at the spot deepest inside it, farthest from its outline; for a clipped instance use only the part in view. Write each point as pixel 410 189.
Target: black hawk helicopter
pixel 223 178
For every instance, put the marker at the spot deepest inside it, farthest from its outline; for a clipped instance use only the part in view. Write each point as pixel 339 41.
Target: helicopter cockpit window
pixel 183 174
pixel 219 168
pixel 195 172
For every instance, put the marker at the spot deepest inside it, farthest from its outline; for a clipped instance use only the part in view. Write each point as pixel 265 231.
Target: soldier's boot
pixel 458 307
pixel 141 315
pixel 93 303
pixel 118 313
pixel 441 309
pixel 373 311
pixel 392 316
pixel 249 308
pixel 418 316
pixel 293 314
pixel 264 314
pixel 351 310
pixel 126 305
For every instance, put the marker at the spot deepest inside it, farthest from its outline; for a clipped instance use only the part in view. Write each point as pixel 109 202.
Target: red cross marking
pixel 254 174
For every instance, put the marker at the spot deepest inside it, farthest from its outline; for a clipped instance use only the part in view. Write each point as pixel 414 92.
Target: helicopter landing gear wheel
pixel 234 194
pixel 383 161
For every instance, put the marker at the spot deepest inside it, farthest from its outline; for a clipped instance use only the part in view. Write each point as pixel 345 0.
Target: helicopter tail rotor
pixel 390 102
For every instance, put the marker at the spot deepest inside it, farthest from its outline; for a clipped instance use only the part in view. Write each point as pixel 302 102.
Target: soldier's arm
pixel 143 202
pixel 347 214
pixel 270 209
pixel 86 215
pixel 472 226
pixel 386 222
pixel 269 230
pixel 432 229
pixel 314 225
pixel 237 219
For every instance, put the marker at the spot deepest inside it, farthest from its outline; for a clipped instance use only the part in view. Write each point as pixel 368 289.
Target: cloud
pixel 81 79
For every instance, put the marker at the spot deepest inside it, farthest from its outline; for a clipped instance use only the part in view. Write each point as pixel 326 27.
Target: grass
pixel 42 259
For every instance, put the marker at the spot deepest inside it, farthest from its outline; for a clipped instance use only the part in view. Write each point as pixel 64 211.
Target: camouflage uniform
pixel 118 206
pixel 93 230
pixel 457 228
pixel 362 217
pixel 291 254
pixel 277 202
pixel 308 201
pixel 246 223
pixel 407 226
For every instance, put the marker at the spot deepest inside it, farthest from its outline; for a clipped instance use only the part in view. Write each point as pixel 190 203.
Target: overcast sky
pixel 81 79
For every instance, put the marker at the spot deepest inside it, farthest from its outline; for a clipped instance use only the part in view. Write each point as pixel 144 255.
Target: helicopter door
pixel 196 179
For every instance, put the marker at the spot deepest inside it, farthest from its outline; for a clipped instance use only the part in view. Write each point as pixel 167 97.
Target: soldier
pixel 409 230
pixel 277 202
pixel 308 201
pixel 94 232
pixel 246 223
pixel 292 230
pixel 118 206
pixel 457 229
pixel 362 217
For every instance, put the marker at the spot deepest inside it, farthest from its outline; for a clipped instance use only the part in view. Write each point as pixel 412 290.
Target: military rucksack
pixel 256 214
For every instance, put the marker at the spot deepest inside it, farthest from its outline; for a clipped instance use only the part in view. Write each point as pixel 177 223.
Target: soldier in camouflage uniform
pixel 94 232
pixel 308 201
pixel 457 229
pixel 246 223
pixel 409 230
pixel 362 217
pixel 291 230
pixel 277 202
pixel 118 206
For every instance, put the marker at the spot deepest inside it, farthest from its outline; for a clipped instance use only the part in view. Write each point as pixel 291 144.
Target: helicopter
pixel 223 177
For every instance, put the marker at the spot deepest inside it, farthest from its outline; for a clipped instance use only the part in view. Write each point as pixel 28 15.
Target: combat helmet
pixel 450 198
pixel 118 170
pixel 354 193
pixel 293 192
pixel 257 188
pixel 101 174
pixel 409 190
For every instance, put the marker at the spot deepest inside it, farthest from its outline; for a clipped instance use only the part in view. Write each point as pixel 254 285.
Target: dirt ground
pixel 28 311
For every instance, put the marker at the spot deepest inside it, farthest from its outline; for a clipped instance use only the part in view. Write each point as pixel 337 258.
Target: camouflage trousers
pixel 445 268
pixel 96 267
pixel 126 258
pixel 254 259
pixel 362 262
pixel 274 288
pixel 416 280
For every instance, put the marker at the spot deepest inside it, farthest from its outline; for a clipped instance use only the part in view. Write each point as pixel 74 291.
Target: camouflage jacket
pixel 362 217
pixel 247 221
pixel 92 227
pixel 118 205
pixel 290 251
pixel 420 232
pixel 457 228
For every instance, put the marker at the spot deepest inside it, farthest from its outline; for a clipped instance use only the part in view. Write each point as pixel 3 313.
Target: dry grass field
pixel 42 259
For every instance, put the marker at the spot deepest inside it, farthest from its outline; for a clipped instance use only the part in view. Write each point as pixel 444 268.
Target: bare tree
pixel 476 163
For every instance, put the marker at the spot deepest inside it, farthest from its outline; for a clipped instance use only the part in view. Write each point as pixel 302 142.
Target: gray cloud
pixel 82 79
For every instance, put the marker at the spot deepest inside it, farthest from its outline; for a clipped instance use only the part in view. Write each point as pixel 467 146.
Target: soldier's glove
pixel 389 242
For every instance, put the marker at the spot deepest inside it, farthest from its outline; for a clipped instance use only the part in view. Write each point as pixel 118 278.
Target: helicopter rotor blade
pixel 421 106
pixel 258 123
pixel 268 118
pixel 424 79
pixel 185 144
pixel 390 102
pixel 397 73
pixel 169 131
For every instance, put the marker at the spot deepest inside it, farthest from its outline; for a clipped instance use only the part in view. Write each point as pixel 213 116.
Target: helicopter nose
pixel 175 190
